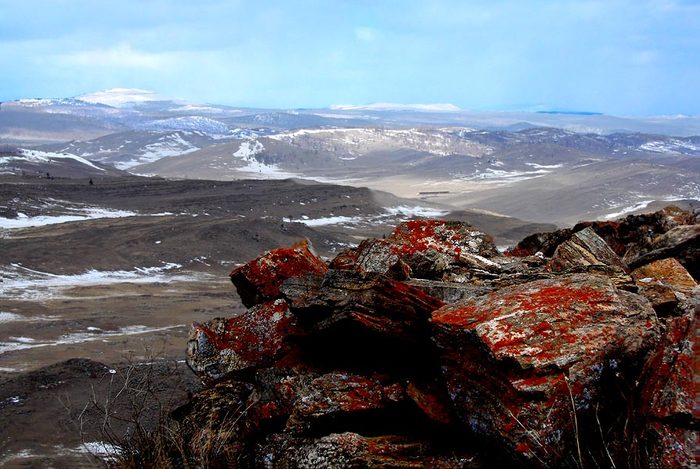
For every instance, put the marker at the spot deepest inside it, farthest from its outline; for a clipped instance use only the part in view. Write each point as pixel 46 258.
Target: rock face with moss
pixel 429 348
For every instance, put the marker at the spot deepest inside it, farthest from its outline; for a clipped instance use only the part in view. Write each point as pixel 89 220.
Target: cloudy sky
pixel 626 57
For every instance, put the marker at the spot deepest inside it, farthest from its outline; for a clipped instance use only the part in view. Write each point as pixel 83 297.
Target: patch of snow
pixel 205 125
pixel 82 337
pixel 626 210
pixel 417 211
pixel 91 213
pixel 23 283
pixel 9 317
pixel 337 220
pixel 36 156
pixel 545 166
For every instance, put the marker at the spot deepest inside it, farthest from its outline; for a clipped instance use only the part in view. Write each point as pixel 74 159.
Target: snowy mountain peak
pixel 436 107
pixel 119 97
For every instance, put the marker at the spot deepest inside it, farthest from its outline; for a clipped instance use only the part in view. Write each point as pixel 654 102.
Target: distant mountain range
pixel 549 167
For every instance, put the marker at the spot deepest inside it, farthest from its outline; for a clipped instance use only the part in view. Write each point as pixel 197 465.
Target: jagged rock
pixel 668 391
pixel 338 396
pixel 662 281
pixel 682 242
pixel 543 243
pixel 634 231
pixel 371 301
pixel 351 450
pixel 428 247
pixel 417 349
pixel 584 248
pixel 260 279
pixel 667 423
pixel 516 360
pixel 258 338
pixel 450 292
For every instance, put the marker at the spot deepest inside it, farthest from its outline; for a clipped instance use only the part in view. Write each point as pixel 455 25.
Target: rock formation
pixel 429 348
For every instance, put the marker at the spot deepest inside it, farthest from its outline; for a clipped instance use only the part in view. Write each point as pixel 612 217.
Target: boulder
pixel 428 247
pixel 335 397
pixel 664 282
pixel 584 248
pixel 665 419
pixel 372 302
pixel 260 279
pixel 682 242
pixel 258 338
pixel 520 362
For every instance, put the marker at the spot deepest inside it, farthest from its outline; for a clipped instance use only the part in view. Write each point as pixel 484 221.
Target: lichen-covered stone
pixel 428 247
pixel 259 337
pixel 334 395
pixel 516 360
pixel 260 279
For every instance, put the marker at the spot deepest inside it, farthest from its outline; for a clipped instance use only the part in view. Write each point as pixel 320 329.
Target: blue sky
pixel 625 57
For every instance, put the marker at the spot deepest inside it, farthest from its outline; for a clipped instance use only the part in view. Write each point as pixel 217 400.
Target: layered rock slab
pixel 259 280
pixel 520 363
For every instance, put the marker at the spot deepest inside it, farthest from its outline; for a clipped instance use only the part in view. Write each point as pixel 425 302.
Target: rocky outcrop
pixel 520 362
pixel 428 348
pixel 260 280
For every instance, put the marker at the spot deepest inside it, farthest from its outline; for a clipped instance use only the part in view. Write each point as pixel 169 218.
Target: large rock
pixel 363 322
pixel 428 247
pixel 682 242
pixel 584 248
pixel 666 422
pixel 372 302
pixel 258 338
pixel 664 282
pixel 260 279
pixel 337 397
pixel 520 362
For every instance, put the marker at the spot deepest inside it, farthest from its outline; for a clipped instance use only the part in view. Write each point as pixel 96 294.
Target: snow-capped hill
pixel 46 102
pixel 190 123
pixel 436 107
pixel 119 97
pixel 673 146
pixel 348 143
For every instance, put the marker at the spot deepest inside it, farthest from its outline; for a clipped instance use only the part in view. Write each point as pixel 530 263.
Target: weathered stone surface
pixel 371 301
pixel 661 282
pixel 682 242
pixel 428 247
pixel 634 232
pixel 663 446
pixel 351 450
pixel 337 395
pixel 258 338
pixel 668 391
pixel 260 279
pixel 584 248
pixel 516 360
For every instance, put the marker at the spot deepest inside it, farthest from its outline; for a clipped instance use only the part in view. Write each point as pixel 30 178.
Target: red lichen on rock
pixel 259 337
pixel 260 279
pixel 523 353
pixel 446 238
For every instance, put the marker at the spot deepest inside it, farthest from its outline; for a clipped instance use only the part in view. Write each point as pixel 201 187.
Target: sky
pixel 622 57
